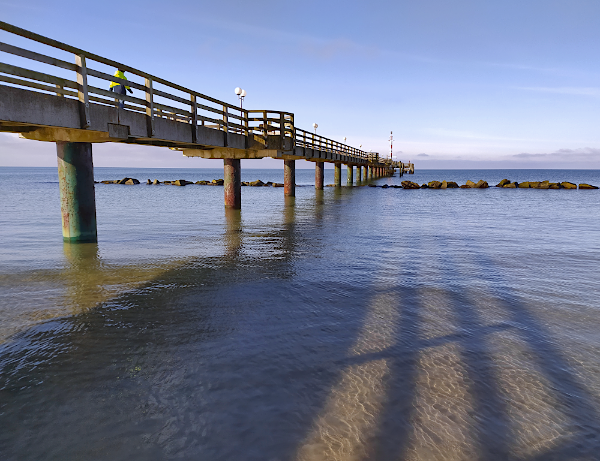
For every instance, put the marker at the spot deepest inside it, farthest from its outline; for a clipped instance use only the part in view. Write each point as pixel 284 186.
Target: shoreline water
pixel 351 322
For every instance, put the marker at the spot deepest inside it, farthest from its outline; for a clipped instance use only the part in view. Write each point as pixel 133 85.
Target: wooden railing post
pixel 225 119
pixel 265 127
pixel 59 91
pixel 225 123
pixel 194 118
pixel 149 108
pixel 246 123
pixel 282 130
pixel 82 91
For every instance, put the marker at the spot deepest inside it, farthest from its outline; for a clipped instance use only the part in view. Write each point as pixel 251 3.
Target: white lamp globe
pixel 243 93
pixel 238 91
pixel 315 126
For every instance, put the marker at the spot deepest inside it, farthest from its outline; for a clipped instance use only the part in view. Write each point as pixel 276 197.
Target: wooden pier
pixel 68 103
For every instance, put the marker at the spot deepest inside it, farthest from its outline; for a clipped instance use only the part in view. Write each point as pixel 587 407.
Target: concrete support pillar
pixel 289 178
pixel 77 195
pixel 366 172
pixel 358 174
pixel 372 172
pixel 337 175
pixel 232 183
pixel 350 177
pixel 319 175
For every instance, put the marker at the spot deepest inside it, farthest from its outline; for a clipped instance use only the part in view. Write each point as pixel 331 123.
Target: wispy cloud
pixel 575 91
pixel 584 154
pixel 472 135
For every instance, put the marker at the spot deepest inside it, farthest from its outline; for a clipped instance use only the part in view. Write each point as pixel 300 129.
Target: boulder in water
pixel 481 184
pixel 587 186
pixel 511 185
pixel 543 185
pixel 503 183
pixel 131 182
pixel 452 185
pixel 410 185
pixel 568 185
pixel 434 184
pixel 257 183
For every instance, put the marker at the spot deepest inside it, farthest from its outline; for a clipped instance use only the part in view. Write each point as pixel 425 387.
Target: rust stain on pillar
pixel 319 175
pixel 358 173
pixel 232 183
pixel 337 175
pixel 350 173
pixel 77 193
pixel 289 178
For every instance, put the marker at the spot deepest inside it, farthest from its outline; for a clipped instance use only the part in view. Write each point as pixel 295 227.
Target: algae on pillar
pixel 319 175
pixel 350 175
pixel 232 183
pixel 337 175
pixel 77 194
pixel 289 178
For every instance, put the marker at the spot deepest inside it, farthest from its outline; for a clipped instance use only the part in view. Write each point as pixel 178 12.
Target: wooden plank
pixel 15 50
pixel 175 110
pixel 172 97
pixel 38 86
pixel 82 90
pixel 33 75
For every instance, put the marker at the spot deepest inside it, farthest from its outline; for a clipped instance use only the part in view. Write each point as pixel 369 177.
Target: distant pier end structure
pixel 65 99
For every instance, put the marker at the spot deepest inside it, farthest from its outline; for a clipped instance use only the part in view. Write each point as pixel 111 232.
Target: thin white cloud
pixel 575 91
pixel 584 154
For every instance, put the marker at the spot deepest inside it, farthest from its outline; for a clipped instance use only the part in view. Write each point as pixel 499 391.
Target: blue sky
pixel 463 84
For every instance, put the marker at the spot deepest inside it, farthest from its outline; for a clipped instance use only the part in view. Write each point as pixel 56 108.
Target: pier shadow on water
pixel 275 352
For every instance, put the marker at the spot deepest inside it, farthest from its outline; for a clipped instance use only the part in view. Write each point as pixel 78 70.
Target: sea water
pixel 353 323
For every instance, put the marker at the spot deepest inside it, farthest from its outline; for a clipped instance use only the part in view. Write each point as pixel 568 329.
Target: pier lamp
pixel 344 139
pixel 315 126
pixel 241 95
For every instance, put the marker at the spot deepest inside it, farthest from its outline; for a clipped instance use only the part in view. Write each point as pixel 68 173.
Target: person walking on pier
pixel 118 88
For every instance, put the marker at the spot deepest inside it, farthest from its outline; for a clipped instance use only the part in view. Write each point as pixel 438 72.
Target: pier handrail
pixel 196 109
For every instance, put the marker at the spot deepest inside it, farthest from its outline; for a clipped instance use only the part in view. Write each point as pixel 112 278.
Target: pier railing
pixel 87 77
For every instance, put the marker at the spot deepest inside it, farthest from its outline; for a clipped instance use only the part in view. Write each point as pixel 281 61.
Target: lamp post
pixel 241 95
pixel 315 126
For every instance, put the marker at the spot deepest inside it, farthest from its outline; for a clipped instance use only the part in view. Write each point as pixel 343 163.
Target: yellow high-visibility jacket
pixel 118 74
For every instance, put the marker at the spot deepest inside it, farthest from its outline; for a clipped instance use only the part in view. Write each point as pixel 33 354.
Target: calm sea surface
pixel 353 324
